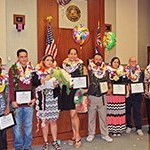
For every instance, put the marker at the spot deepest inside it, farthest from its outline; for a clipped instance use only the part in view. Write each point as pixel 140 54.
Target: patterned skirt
pixel 49 109
pixel 116 119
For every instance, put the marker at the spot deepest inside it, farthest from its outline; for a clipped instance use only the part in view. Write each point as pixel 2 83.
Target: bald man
pixel 134 99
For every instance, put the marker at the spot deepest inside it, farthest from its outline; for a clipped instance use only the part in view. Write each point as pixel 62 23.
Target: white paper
pixel 137 88
pixel 6 121
pixel 49 84
pixel 80 82
pixel 103 87
pixel 23 97
pixel 119 89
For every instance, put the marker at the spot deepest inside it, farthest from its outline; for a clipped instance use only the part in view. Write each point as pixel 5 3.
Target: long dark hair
pixel 72 49
pixel 114 58
pixel 43 59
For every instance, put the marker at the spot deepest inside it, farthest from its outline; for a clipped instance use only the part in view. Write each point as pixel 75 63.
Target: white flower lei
pixel 147 74
pixel 71 66
pixel 98 71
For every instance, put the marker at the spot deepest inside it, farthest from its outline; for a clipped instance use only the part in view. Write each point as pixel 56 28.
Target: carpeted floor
pixel 130 141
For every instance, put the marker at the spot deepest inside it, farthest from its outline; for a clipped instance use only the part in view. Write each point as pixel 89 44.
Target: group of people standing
pixel 114 110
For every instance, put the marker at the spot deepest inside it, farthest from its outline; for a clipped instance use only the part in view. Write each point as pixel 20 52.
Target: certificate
pixel 103 87
pixel 80 82
pixel 23 96
pixel 49 84
pixel 137 88
pixel 7 121
pixel 119 89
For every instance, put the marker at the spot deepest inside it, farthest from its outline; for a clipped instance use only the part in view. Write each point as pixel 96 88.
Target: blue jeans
pixel 22 131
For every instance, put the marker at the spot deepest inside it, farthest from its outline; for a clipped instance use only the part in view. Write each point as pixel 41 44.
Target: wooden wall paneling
pixel 64 40
pixel 63 37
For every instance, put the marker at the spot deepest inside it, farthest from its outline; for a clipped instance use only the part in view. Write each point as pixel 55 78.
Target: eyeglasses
pixel 132 61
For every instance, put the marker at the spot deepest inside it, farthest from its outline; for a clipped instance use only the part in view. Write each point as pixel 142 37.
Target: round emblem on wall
pixel 73 13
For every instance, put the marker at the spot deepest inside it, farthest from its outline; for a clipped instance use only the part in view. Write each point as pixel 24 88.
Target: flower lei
pixel 3 79
pixel 133 73
pixel 19 74
pixel 98 71
pixel 79 96
pixel 71 66
pixel 148 69
pixel 147 74
pixel 115 74
pixel 41 70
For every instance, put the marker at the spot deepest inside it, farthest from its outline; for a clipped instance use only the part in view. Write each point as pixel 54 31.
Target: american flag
pixel 99 45
pixel 51 48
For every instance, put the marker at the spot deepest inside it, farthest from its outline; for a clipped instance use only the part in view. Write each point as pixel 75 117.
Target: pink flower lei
pixel 133 74
pixel 99 71
pixel 71 66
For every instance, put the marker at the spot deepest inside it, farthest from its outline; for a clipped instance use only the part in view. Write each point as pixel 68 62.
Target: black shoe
pixel 56 145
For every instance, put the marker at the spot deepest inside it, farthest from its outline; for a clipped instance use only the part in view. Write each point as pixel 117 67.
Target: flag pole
pixel 98 23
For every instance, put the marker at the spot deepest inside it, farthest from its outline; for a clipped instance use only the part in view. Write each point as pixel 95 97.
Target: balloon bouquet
pixel 80 34
pixel 109 40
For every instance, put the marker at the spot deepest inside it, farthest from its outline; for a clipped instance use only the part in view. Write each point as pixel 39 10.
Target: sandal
pixel 46 146
pixel 78 144
pixel 56 145
pixel 71 142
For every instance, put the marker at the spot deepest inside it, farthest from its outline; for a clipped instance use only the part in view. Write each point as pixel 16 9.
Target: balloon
pixel 109 40
pixel 80 34
pixel 63 2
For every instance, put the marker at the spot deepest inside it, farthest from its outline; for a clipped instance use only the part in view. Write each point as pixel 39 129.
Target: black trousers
pixel 134 102
pixel 3 140
pixel 148 110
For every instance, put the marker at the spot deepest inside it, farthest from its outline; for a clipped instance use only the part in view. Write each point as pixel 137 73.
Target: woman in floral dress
pixel 116 103
pixel 47 100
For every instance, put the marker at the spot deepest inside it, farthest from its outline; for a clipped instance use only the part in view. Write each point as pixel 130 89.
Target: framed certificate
pixel 80 82
pixel 23 96
pixel 103 87
pixel 119 89
pixel 137 88
pixel 7 121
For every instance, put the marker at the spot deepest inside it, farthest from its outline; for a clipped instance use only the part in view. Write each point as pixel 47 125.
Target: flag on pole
pixel 99 45
pixel 51 48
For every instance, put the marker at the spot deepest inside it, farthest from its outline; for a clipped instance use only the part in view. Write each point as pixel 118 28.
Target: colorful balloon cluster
pixel 80 34
pixel 109 40
pixel 63 2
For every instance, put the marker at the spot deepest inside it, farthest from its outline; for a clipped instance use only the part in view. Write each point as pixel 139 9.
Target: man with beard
pixel 97 98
